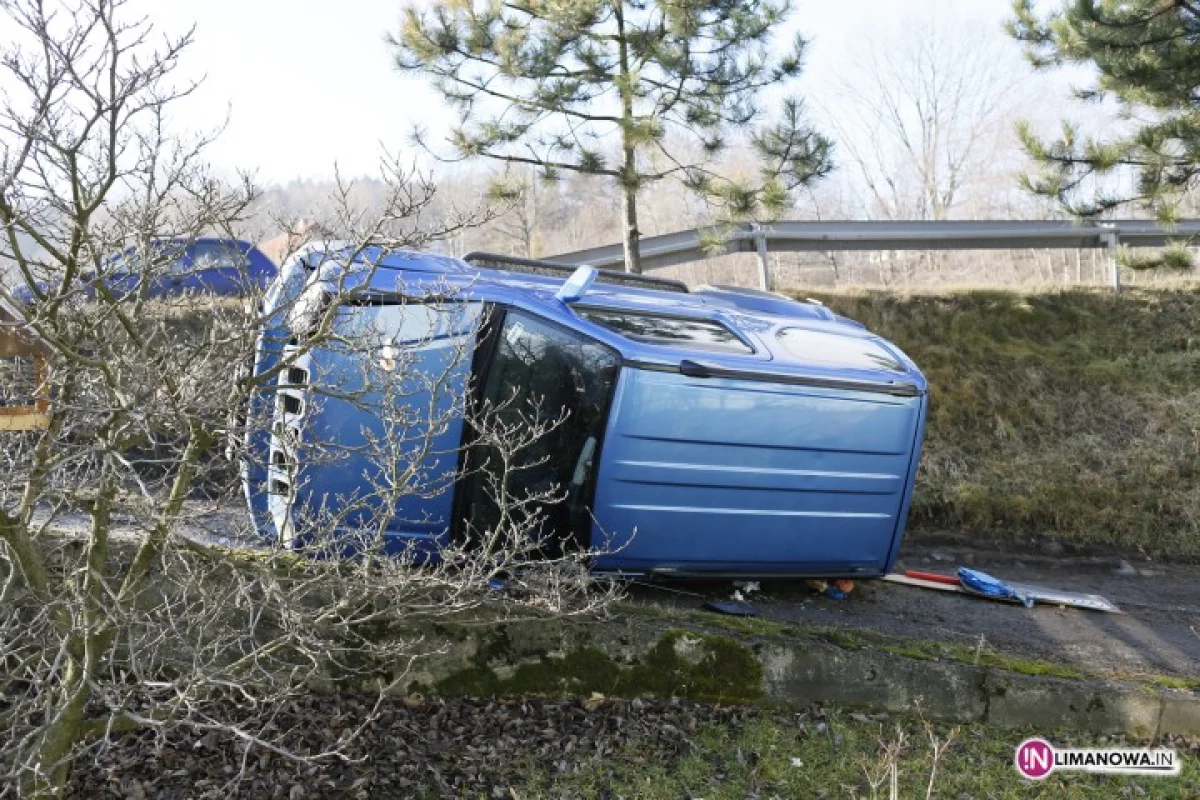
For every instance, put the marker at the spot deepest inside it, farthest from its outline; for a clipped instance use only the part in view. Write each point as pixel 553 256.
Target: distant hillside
pixel 1070 416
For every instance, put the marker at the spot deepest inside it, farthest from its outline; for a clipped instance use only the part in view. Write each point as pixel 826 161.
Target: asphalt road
pixel 1159 633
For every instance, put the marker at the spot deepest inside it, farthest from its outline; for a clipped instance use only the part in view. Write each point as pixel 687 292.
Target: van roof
pixel 783 336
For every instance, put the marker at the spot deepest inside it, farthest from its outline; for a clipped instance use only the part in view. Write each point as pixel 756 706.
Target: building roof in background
pixel 278 248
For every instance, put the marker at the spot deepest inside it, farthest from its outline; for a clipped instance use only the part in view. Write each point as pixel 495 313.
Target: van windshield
pixel 558 379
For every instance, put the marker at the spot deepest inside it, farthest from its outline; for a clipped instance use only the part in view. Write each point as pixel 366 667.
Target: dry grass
pixel 826 753
pixel 1072 415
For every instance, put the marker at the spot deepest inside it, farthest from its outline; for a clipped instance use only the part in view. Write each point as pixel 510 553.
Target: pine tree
pixel 666 86
pixel 1146 54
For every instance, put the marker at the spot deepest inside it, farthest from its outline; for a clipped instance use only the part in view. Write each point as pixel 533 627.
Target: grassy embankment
pixel 1070 416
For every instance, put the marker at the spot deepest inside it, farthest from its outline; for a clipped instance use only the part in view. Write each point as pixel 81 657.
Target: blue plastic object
pixel 711 433
pixel 577 285
pixel 986 585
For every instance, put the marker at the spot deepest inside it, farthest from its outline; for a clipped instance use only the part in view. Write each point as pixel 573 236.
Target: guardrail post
pixel 1113 244
pixel 764 266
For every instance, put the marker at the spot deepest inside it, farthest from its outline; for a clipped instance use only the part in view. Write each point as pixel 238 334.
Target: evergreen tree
pixel 552 82
pixel 1146 54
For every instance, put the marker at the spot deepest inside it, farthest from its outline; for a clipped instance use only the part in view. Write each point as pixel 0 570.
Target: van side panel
pixel 725 475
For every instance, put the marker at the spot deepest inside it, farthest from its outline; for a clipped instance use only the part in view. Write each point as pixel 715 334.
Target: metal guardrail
pixel 801 236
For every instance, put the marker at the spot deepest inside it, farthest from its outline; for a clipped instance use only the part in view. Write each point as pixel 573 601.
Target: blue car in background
pixel 714 432
pixel 214 266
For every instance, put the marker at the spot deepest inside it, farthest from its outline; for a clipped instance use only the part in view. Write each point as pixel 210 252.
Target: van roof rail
pixel 535 266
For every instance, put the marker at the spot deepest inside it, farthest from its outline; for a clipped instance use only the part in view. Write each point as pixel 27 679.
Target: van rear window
pixel 819 347
pixel 702 334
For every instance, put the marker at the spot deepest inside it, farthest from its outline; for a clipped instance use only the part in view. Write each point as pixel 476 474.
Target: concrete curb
pixel 632 655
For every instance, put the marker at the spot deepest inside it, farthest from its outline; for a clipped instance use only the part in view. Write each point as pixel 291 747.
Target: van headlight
pixel 305 313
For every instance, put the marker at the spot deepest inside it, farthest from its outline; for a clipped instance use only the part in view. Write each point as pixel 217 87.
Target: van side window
pixel 702 334
pixel 217 255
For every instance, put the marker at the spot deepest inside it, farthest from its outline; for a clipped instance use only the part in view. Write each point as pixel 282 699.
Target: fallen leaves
pixel 450 747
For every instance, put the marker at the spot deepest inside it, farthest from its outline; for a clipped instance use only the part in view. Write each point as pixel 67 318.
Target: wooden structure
pixel 18 344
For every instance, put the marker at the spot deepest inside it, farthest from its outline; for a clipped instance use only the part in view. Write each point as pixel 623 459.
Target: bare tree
pixel 926 119
pixel 119 609
pixel 521 225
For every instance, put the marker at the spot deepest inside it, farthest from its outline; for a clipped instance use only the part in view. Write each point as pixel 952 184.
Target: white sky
pixel 310 83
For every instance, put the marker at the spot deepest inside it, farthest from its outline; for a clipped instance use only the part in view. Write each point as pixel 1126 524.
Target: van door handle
pixel 584 462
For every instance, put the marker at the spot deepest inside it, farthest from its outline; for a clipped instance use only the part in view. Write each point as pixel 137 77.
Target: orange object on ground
pixel 836 589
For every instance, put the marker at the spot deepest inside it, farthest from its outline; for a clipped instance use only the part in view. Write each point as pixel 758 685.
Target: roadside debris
pixel 910 579
pixel 743 589
pixel 734 608
pixel 950 580
pixel 981 584
pixel 978 582
pixel 736 605
pixel 838 590
pixel 1058 597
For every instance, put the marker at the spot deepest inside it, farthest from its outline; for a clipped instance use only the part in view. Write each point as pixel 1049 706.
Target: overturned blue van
pixel 714 432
